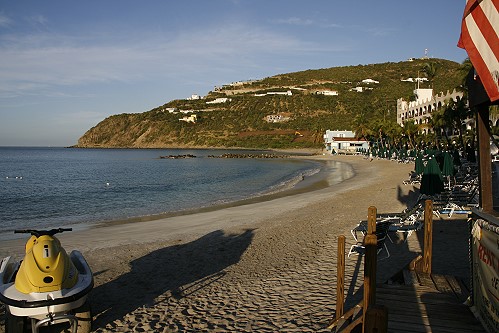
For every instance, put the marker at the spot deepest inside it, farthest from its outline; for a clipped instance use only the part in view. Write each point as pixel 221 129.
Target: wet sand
pixel 262 267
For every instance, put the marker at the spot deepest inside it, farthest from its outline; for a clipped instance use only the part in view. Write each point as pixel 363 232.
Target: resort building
pixel 219 100
pixel 369 81
pixel 286 93
pixel 327 93
pixel 420 110
pixel 343 142
pixel 169 110
pixel 189 119
pixel 414 79
pixel 360 89
pixel 276 118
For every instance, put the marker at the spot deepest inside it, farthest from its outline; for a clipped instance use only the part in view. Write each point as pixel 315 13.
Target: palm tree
pixel 464 70
pixel 318 133
pixel 410 130
pixel 455 113
pixel 430 69
pixel 360 127
pixel 438 123
pixel 385 131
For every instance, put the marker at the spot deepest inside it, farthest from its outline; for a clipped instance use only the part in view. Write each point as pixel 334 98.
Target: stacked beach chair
pixel 457 198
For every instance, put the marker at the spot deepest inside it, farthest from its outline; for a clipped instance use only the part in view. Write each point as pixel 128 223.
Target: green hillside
pixel 241 122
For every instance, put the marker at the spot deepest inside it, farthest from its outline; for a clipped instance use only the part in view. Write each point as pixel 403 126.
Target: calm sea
pixel 52 187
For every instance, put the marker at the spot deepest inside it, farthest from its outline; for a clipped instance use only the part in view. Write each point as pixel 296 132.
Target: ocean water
pixel 54 187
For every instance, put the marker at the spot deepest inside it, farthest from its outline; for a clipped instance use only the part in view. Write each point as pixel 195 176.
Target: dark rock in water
pixel 178 156
pixel 233 155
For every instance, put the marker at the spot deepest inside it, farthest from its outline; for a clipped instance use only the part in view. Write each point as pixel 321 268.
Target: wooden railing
pixel 373 318
pixel 367 314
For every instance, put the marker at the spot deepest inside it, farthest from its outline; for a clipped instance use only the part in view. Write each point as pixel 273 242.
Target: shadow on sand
pixel 176 270
pixel 409 199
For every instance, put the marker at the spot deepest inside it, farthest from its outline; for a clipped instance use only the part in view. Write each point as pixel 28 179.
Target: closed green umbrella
pixel 448 166
pixel 403 153
pixel 432 181
pixel 418 165
pixel 381 152
pixel 456 157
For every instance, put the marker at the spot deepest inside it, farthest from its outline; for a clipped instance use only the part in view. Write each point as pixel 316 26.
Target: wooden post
pixel 340 278
pixel 376 319
pixel 428 236
pixel 484 160
pixel 371 220
pixel 370 266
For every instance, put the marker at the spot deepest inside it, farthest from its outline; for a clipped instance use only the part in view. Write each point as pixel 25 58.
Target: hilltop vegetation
pixel 241 122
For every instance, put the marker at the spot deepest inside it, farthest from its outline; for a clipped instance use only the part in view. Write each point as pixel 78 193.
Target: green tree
pixel 438 124
pixel 410 131
pixel 464 70
pixel 318 133
pixel 361 127
pixel 430 69
pixel 455 113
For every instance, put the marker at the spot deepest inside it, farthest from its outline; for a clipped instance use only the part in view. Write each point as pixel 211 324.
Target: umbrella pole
pixel 485 168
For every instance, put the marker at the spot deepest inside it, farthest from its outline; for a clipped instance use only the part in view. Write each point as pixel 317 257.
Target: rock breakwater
pixel 234 155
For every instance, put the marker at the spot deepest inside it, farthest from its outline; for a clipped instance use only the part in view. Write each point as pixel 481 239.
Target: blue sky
pixel 66 65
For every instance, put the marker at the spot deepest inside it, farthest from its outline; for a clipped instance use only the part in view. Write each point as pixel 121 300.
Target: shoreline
pixel 315 183
pixel 245 268
pixel 291 187
pixel 82 235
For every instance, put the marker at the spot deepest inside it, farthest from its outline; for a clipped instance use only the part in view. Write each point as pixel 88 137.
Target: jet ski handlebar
pixel 38 233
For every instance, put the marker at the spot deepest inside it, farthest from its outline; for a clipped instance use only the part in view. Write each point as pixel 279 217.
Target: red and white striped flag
pixel 480 39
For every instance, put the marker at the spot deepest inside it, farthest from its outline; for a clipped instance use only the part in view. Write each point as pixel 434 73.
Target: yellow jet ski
pixel 47 288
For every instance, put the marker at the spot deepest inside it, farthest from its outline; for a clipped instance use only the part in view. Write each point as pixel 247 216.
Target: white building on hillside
pixel 219 100
pixel 189 119
pixel 286 93
pixel 360 89
pixel 276 118
pixel 194 97
pixel 327 92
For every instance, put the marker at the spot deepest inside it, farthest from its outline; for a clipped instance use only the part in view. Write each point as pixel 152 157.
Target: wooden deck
pixel 413 300
pixel 427 303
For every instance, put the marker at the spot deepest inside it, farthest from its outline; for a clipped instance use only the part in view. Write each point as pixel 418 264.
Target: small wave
pixel 282 186
pixel 291 182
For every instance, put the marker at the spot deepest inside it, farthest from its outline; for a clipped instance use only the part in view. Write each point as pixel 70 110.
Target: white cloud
pixel 307 22
pixel 44 60
pixel 5 21
pixel 295 21
pixel 37 20
pixel 379 32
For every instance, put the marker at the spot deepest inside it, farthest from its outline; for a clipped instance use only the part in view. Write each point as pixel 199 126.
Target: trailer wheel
pixel 84 316
pixel 14 324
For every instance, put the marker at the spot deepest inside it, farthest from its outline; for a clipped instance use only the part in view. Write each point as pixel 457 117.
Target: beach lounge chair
pixel 360 231
pixel 397 221
pixel 406 228
pixel 449 211
pixel 413 179
pixel 381 233
pixel 456 202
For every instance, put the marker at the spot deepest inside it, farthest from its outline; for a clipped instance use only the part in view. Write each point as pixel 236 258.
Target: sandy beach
pixel 262 267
